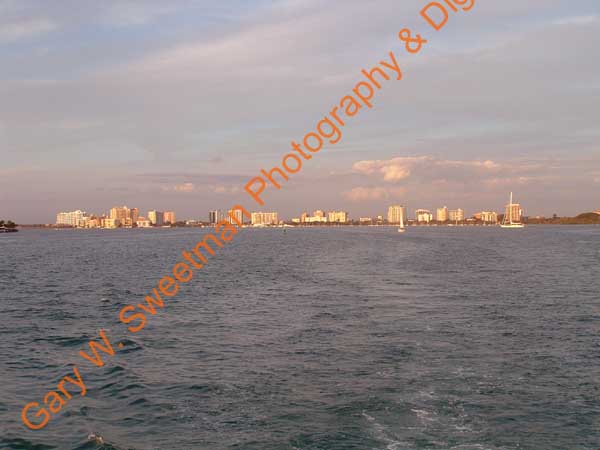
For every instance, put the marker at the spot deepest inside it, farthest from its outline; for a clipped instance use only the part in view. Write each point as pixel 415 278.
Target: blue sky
pixel 175 105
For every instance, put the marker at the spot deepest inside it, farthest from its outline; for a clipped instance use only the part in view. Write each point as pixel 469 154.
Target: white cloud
pixel 576 20
pixel 25 29
pixel 185 187
pixel 362 194
pixel 398 169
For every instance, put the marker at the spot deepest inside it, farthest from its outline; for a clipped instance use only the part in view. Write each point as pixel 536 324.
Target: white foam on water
pixel 380 433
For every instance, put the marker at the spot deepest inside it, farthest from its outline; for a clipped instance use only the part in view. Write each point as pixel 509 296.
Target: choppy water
pixel 476 338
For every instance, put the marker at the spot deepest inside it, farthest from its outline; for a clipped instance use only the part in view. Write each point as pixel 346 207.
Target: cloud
pixel 393 170
pixel 398 169
pixel 25 29
pixel 362 194
pixel 188 187
pixel 185 187
pixel 576 20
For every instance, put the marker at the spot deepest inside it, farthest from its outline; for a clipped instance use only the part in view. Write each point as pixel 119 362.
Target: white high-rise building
pixel 337 216
pixel 442 214
pixel 156 218
pixel 423 216
pixel 395 213
pixel 456 215
pixel 235 217
pixel 72 218
pixel 264 218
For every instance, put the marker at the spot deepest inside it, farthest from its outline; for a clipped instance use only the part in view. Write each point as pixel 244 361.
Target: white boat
pixel 509 220
pixel 401 229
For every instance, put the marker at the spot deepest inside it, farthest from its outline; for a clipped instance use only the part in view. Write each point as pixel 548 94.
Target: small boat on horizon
pixel 401 229
pixel 512 218
pixel 8 230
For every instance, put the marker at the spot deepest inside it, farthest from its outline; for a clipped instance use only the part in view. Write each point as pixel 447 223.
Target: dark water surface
pixel 447 338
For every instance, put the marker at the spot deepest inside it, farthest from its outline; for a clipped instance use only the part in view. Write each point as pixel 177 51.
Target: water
pixel 354 338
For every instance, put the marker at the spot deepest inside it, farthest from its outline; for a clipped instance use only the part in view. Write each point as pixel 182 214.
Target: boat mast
pixel 510 210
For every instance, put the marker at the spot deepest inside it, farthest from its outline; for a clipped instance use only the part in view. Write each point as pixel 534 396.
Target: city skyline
pixel 410 212
pixel 123 216
pixel 184 121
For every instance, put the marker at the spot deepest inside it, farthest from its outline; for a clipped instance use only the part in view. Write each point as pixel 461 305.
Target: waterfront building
pixel 423 216
pixel 396 214
pixel 337 216
pixel 72 218
pixel 365 220
pixel 169 217
pixel 120 212
pixel 215 216
pixel 296 220
pixel 108 222
pixel 442 214
pixel 127 217
pixel 156 218
pixel 238 217
pixel 514 211
pixel 456 215
pixel 264 218
pixel 92 222
pixel 487 217
pixel 317 217
pixel 142 222
pixel 134 215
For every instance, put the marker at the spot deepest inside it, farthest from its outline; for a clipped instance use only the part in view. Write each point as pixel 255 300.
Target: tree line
pixel 7 224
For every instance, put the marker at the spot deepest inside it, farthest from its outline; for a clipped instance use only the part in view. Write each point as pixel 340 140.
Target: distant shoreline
pixel 321 226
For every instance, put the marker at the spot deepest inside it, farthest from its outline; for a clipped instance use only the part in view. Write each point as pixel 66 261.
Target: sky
pixel 177 105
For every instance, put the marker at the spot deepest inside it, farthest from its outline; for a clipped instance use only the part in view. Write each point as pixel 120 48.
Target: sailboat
pixel 401 229
pixel 509 221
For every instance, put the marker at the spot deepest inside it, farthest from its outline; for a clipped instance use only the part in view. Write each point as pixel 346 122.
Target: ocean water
pixel 320 339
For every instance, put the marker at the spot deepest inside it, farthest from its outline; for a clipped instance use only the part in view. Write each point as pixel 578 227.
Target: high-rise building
pixel 395 213
pixel 169 217
pixel 156 218
pixel 318 216
pixel 264 218
pixel 216 216
pixel 423 216
pixel 235 217
pixel 108 222
pixel 337 216
pixel 126 217
pixel 487 216
pixel 120 212
pixel 514 211
pixel 135 214
pixel 442 214
pixel 72 218
pixel 456 215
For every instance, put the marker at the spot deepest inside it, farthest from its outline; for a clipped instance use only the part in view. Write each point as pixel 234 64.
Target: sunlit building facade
pixel 442 214
pixel 264 218
pixel 423 216
pixel 396 213
pixel 456 215
pixel 337 216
